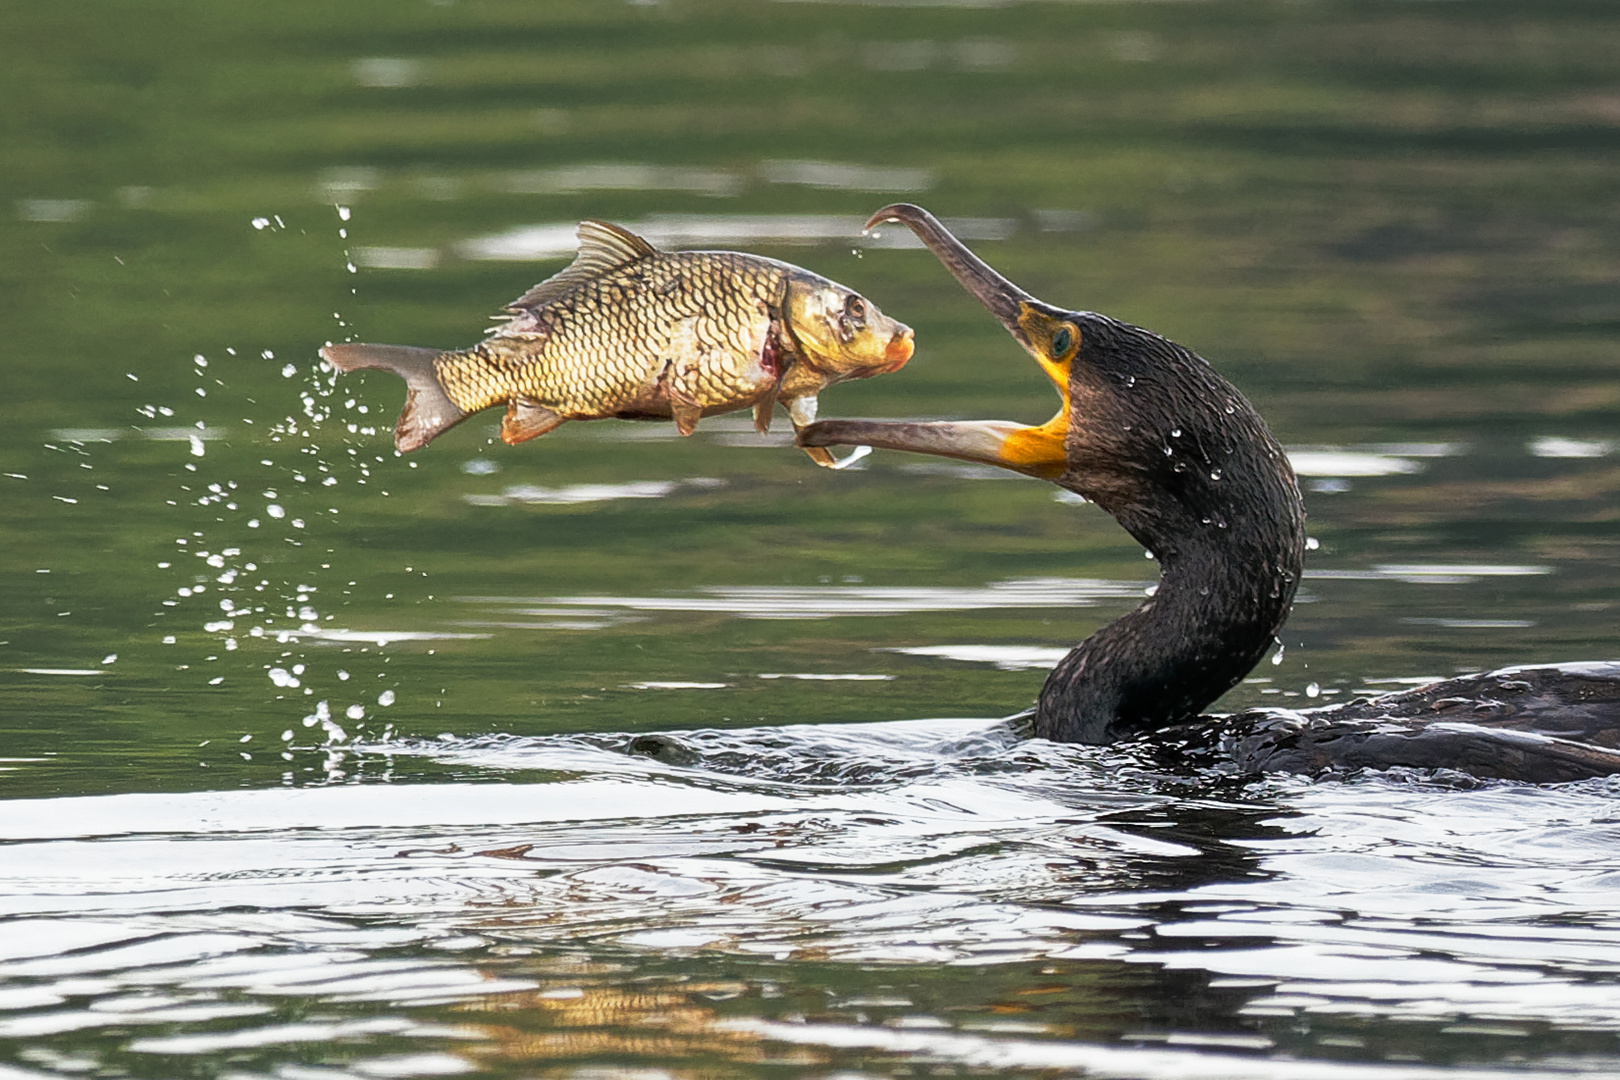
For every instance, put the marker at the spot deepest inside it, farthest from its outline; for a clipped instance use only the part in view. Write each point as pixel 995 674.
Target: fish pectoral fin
pixel 824 457
pixel 803 410
pixel 527 419
pixel 686 413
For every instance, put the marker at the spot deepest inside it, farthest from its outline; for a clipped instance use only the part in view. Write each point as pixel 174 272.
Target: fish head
pixel 840 334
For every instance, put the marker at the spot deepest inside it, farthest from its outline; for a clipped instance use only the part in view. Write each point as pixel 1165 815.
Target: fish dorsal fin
pixel 603 247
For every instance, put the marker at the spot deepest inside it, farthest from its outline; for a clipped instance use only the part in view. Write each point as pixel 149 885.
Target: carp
pixel 632 332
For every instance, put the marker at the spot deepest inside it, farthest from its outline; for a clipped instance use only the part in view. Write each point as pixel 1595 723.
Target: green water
pixel 1393 226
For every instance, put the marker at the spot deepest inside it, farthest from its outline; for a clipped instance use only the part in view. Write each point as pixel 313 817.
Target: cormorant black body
pixel 1186 465
pixel 1156 437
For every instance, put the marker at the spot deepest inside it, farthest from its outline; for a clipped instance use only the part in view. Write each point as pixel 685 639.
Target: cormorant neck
pixel 1187 466
pixel 1216 610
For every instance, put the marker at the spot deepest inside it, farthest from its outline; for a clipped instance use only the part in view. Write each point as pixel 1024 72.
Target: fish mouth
pixel 900 348
pixel 1034 450
pixel 1006 301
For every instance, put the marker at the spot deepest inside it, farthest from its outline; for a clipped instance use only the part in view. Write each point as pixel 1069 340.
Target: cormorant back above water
pixel 1148 431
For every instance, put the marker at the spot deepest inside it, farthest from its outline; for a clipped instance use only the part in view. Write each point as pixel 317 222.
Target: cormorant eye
pixel 1062 339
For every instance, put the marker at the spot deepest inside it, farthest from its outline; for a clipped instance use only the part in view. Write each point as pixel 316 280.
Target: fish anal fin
pixel 527 419
pixel 686 414
pixel 603 247
pixel 428 410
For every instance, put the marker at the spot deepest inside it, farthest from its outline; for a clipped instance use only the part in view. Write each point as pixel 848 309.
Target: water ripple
pixel 188 922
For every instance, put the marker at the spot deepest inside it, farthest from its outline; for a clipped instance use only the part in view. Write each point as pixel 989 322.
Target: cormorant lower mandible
pixel 1150 432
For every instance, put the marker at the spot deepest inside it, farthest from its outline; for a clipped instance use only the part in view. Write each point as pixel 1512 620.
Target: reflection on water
pixel 1555 447
pixel 571 494
pixel 675 231
pixel 1005 657
pixel 1308 911
pixel 825 602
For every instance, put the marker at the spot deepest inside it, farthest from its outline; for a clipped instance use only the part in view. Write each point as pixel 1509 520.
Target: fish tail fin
pixel 428 410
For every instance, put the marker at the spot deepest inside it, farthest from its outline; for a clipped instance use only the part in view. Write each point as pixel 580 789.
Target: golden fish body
pixel 629 331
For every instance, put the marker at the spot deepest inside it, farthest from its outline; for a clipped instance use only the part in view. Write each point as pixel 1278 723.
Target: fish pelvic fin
pixel 527 419
pixel 428 410
pixel 603 247
pixel 803 412
pixel 686 414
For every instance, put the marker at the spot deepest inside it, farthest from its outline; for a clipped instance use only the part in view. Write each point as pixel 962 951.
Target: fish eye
pixel 1062 340
pixel 855 307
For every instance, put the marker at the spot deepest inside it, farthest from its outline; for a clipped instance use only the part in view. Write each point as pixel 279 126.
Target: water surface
pixel 621 754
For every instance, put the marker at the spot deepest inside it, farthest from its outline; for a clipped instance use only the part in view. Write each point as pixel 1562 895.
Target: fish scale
pixel 632 332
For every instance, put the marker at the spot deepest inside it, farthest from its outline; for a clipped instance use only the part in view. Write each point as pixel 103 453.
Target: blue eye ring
pixel 1062 341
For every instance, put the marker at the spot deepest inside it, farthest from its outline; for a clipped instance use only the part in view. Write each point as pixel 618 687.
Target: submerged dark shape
pixel 1151 433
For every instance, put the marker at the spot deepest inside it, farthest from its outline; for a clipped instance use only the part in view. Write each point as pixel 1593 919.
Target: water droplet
pixel 1277 657
pixel 343 213
pixel 1313 690
pixel 1130 380
pixel 1175 433
pixel 1214 474
pixel 385 698
pixel 1311 543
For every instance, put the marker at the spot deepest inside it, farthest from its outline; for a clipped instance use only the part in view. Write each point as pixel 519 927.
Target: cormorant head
pixel 1050 334
pixel 1146 429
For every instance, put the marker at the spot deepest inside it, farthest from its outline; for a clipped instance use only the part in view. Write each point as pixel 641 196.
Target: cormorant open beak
pixel 1032 450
